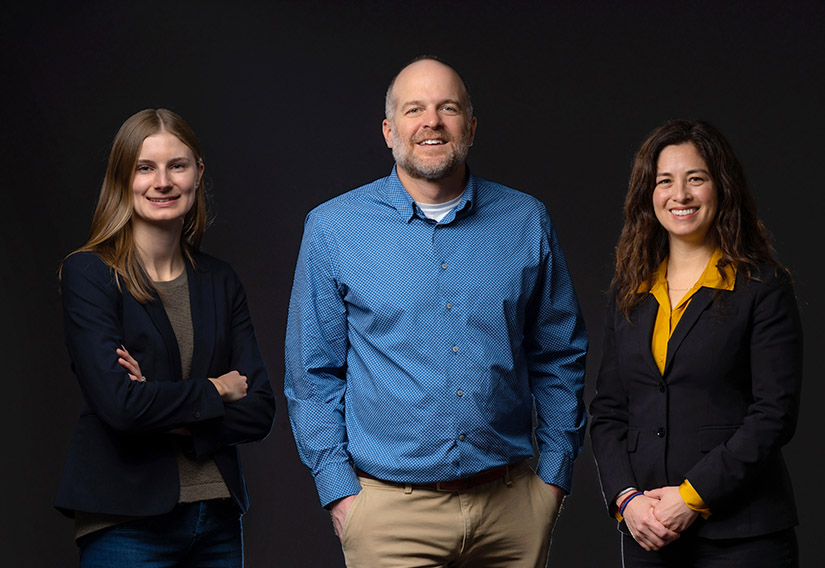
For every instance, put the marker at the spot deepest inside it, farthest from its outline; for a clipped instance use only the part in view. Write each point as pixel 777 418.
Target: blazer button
pixel 196 415
pixel 660 432
pixel 662 387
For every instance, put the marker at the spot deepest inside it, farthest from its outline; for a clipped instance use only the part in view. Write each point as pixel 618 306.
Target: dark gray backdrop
pixel 287 99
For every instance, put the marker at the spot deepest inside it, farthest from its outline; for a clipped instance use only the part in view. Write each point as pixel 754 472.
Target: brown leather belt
pixel 463 484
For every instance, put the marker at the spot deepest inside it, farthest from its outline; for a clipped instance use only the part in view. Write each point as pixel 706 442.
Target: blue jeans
pixel 206 534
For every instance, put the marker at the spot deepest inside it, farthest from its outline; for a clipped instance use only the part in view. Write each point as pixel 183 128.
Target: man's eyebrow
pixel 422 103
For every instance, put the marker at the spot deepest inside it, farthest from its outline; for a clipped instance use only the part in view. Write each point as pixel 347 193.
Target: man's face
pixel 430 130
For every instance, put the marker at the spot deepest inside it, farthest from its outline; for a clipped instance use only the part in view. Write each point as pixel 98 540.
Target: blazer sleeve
pixel 776 379
pixel 92 306
pixel 609 418
pixel 250 418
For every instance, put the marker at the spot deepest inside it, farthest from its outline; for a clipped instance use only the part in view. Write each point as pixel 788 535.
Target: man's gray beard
pixel 407 161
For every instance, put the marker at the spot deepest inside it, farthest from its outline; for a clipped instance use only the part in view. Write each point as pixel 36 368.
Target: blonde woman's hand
pixel 231 386
pixel 130 364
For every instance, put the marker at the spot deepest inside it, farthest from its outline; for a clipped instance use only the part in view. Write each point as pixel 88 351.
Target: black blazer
pixel 727 403
pixel 120 460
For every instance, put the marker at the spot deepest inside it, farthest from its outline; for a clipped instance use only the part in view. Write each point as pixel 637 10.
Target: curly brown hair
pixel 736 230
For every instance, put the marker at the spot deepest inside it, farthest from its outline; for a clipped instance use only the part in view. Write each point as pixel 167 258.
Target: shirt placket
pixel 450 317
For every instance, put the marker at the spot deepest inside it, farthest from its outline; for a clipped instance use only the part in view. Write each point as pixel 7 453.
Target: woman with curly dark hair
pixel 699 383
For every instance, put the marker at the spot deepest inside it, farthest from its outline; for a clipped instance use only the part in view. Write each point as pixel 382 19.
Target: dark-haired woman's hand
pixel 671 509
pixel 645 527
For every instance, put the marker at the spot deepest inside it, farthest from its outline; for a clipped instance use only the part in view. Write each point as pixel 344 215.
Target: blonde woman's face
pixel 165 178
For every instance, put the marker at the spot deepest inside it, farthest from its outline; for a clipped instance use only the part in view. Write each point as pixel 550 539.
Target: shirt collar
pixel 710 278
pixel 402 201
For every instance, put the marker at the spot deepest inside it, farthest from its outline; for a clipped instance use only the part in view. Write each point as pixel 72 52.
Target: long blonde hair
pixel 110 236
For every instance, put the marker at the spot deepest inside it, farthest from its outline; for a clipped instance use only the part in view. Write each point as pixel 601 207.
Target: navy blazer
pixel 121 460
pixel 719 416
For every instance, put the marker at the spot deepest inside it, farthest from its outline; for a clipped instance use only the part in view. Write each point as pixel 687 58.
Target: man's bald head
pixel 390 102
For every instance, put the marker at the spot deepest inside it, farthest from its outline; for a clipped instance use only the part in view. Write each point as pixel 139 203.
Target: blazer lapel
pixel 644 319
pixel 158 316
pixel 202 306
pixel 698 304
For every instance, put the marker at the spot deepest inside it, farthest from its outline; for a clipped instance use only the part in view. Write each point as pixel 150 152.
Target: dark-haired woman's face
pixel 684 198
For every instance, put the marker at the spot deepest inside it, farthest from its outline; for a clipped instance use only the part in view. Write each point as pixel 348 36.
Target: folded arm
pixel 92 305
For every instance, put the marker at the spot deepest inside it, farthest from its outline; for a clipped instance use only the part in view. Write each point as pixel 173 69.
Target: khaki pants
pixel 504 523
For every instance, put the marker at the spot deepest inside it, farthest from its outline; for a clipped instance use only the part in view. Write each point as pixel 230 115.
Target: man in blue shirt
pixel 431 312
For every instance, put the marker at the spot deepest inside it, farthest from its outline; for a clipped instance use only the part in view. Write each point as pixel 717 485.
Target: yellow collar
pixel 710 278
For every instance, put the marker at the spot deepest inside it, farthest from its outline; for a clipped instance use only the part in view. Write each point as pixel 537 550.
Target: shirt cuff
pixel 556 468
pixel 693 500
pixel 335 482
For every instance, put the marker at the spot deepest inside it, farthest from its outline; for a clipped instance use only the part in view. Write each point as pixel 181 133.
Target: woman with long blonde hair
pixel 162 345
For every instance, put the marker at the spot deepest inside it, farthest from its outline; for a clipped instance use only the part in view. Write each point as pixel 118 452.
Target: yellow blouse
pixel 666 321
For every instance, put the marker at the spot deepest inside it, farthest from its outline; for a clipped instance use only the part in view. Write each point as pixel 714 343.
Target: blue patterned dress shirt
pixel 416 349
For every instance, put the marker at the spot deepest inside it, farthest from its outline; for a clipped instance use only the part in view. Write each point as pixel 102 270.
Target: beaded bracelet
pixel 628 500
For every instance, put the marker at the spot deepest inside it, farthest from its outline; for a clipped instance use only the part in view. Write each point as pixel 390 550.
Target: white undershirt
pixel 438 211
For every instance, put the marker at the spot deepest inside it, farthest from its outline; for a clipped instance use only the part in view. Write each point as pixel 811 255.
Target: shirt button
pixel 460 392
pixel 660 432
pixel 444 265
pixel 455 348
pixel 449 306
pixel 461 437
